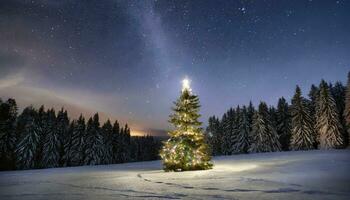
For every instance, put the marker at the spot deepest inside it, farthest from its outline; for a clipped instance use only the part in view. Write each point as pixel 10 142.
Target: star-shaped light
pixel 186 84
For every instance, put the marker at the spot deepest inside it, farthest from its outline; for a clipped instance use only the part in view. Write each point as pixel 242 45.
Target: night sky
pixel 126 59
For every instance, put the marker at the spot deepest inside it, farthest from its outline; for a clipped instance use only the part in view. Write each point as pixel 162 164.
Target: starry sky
pixel 126 59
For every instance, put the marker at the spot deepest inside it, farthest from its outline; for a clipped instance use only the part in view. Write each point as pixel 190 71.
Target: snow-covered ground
pixel 283 175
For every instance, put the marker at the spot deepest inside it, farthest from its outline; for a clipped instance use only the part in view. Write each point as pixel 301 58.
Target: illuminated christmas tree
pixel 186 148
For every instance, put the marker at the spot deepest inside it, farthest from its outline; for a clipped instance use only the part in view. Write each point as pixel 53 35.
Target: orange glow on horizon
pixel 138 133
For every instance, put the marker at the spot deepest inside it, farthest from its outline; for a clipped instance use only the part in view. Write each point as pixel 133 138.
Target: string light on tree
pixel 186 148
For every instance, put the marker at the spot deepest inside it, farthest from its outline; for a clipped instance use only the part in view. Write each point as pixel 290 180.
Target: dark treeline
pixel 321 121
pixel 43 139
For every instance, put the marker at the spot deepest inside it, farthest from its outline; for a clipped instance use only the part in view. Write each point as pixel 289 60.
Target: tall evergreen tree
pixel 214 135
pixel 250 114
pixel 283 123
pixel 186 149
pixel 225 134
pixel 29 139
pixel 8 115
pixel 125 144
pixel 42 132
pixel 303 136
pixel 312 104
pixel 328 124
pixel 52 144
pixel 338 93
pixel 264 133
pixel 116 142
pixel 313 95
pixel 107 134
pixel 88 141
pixel 242 143
pixel 228 128
pixel 346 113
pixel 64 136
pixel 209 134
pixel 94 142
pixel 66 158
pixel 76 151
pixel 273 116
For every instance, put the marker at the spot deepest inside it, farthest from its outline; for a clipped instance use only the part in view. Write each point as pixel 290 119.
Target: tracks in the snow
pixel 290 188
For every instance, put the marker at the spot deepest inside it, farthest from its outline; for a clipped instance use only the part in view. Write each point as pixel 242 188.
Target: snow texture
pixel 316 174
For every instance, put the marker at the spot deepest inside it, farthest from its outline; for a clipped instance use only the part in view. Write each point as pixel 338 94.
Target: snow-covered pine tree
pixel 328 125
pixel 237 121
pixel 242 138
pixel 52 144
pixel 224 142
pixel 303 135
pixel 88 140
pixel 228 128
pixel 313 95
pixel 312 104
pixel 66 158
pixel 107 133
pixel 283 123
pixel 94 142
pixel 64 136
pixel 265 138
pixel 346 113
pixel 42 130
pixel 214 135
pixel 8 115
pixel 338 93
pixel 116 142
pixel 125 144
pixel 273 116
pixel 76 151
pixel 28 139
pixel 250 112
pixel 209 132
pixel 122 145
pixel 186 148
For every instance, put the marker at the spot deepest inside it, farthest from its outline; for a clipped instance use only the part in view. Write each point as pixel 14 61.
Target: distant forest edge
pixel 321 121
pixel 43 139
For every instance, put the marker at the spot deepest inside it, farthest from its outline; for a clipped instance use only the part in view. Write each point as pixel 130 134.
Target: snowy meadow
pixel 312 174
